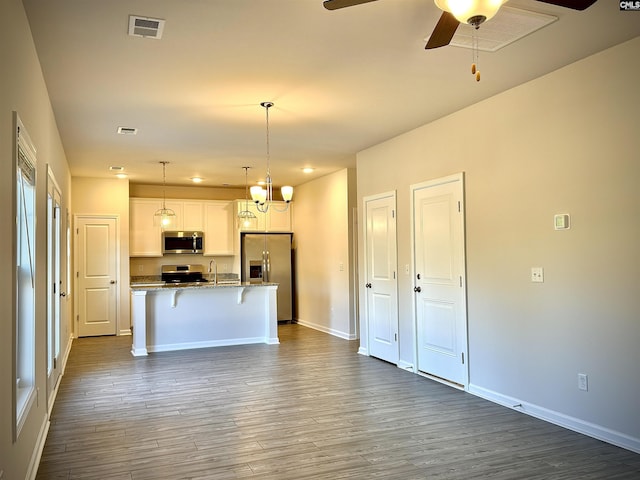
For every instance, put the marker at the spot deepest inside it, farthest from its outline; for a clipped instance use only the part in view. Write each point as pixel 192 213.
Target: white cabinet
pixel 218 227
pixel 273 220
pixel 189 214
pixel 213 217
pixel 144 235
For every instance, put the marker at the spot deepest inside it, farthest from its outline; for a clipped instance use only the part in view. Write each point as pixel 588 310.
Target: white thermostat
pixel 561 221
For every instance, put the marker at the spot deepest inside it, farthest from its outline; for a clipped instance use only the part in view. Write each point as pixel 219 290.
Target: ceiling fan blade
pixel 573 4
pixel 335 4
pixel 444 31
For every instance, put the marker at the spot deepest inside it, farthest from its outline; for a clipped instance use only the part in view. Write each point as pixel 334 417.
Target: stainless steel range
pixel 183 274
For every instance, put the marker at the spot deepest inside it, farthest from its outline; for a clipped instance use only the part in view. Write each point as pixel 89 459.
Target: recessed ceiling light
pixel 121 175
pixel 196 179
pixel 127 131
pixel 307 169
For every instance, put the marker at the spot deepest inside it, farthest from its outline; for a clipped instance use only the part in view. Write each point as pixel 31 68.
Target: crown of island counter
pixel 179 317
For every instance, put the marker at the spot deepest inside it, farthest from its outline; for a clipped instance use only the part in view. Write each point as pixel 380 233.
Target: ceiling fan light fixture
pixel 473 12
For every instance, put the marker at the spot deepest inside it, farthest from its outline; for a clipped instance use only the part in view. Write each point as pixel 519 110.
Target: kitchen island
pixel 184 316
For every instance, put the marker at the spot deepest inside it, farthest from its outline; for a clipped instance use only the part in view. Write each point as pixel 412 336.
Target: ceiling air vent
pixel 127 131
pixel 509 24
pixel 145 27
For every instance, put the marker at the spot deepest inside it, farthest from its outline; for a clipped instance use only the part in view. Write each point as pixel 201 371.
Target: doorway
pixel 56 257
pixel 97 252
pixel 381 283
pixel 440 279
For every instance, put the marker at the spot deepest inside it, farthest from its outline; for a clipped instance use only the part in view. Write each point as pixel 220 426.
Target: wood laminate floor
pixel 309 408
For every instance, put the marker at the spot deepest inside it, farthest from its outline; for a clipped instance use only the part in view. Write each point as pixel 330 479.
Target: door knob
pixel 417 289
pixel 63 294
pixel 112 282
pixel 368 285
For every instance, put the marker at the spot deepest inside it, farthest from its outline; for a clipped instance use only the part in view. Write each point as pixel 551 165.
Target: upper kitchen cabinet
pixel 189 215
pixel 213 217
pixel 272 221
pixel 144 235
pixel 218 227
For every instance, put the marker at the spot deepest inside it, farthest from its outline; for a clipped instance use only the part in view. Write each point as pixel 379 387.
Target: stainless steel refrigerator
pixel 268 257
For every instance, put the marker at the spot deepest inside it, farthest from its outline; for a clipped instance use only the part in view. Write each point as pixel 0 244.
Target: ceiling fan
pixel 454 12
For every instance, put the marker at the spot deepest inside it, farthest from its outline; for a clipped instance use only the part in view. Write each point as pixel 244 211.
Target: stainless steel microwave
pixel 182 242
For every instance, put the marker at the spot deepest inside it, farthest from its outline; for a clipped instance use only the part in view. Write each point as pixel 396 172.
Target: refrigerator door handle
pixel 268 266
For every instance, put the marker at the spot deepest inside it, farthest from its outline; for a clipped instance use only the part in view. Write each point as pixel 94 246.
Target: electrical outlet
pixel 537 274
pixel 140 268
pixel 583 382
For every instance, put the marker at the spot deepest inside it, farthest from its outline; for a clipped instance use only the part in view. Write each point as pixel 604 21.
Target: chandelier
pixel 246 216
pixel 164 217
pixel 263 197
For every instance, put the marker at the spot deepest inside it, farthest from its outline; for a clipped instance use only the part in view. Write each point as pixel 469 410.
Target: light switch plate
pixel 537 274
pixel 561 221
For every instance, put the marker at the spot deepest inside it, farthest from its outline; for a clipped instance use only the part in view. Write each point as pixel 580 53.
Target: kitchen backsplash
pixel 151 266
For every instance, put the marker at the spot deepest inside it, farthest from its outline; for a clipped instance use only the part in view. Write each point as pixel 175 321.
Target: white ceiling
pixel 341 80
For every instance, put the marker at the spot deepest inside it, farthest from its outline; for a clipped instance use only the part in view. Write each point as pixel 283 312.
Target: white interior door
pixel 97 262
pixel 55 255
pixel 381 279
pixel 440 298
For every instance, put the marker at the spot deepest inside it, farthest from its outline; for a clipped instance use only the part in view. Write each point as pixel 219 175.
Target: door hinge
pixel 393 214
pixel 77 231
pixel 395 336
pixel 461 280
pixel 394 275
pixel 459 207
pixel 463 358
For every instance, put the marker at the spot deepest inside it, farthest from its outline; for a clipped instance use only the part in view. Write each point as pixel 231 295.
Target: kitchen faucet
pixel 215 274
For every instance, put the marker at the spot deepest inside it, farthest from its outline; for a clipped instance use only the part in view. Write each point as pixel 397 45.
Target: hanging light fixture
pixel 246 216
pixel 263 197
pixel 164 217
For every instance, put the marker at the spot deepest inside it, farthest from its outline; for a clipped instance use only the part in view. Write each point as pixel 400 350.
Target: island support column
pixel 139 322
pixel 271 317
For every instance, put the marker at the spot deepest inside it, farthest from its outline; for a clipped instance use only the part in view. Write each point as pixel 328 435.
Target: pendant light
pixel 263 197
pixel 164 217
pixel 246 216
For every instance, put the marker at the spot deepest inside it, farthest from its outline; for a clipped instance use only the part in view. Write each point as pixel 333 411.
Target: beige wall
pixel 23 90
pixel 323 228
pixel 185 192
pixel 104 196
pixel 565 143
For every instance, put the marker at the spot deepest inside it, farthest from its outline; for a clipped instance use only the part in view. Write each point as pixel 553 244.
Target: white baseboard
pixel 330 331
pixel 363 351
pixel 577 425
pixel 406 366
pixel 213 343
pixel 37 452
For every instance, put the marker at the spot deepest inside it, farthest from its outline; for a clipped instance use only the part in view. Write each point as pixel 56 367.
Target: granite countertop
pixel 225 280
pixel 195 285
